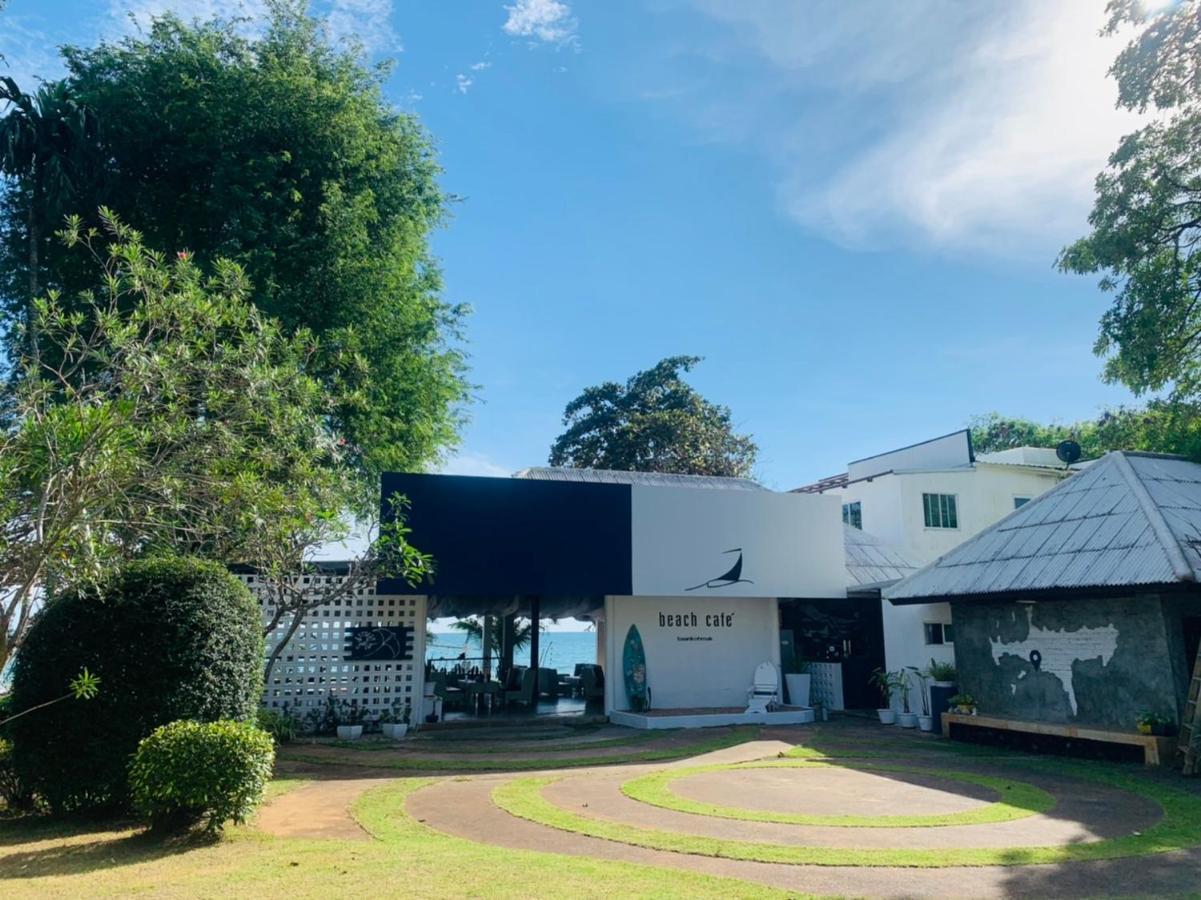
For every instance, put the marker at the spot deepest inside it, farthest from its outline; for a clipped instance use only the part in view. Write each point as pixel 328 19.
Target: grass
pixel 39 859
pixel 1179 828
pixel 1017 799
pixel 704 744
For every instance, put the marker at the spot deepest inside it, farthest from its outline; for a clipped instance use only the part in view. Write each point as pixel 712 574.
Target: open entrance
pixel 840 642
pixel 513 661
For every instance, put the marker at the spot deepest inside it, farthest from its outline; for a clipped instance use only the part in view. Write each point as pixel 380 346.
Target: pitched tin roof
pixel 870 562
pixel 1130 519
pixel 655 479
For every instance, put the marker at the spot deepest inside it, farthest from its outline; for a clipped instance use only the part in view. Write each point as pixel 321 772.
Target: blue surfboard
pixel 633 659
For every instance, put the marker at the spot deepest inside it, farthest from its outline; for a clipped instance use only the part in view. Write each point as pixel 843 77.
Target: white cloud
pixel 549 21
pixel 463 83
pixel 367 21
pixel 467 463
pixel 480 66
pixel 924 122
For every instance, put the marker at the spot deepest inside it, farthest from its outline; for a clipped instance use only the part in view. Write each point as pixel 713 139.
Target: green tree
pixel 473 628
pixel 655 422
pixel 175 417
pixel 279 152
pixel 995 432
pixel 47 144
pixel 1146 220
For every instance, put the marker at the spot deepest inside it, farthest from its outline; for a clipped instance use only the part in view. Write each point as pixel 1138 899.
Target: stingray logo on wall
pixel 732 577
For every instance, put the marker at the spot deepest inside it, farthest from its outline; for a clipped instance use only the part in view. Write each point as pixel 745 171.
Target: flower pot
pixel 925 723
pixel 908 720
pixel 350 732
pixel 798 688
pixel 887 716
pixel 395 730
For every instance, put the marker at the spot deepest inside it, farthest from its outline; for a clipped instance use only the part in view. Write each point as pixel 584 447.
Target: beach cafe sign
pixel 706 623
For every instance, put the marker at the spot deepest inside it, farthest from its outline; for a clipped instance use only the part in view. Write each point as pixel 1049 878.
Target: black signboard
pixel 386 642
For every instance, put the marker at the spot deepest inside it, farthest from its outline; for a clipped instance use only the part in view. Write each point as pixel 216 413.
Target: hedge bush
pixel 169 639
pixel 187 772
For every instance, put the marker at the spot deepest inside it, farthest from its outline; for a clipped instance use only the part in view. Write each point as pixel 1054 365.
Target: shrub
pixel 187 772
pixel 13 793
pixel 281 725
pixel 169 639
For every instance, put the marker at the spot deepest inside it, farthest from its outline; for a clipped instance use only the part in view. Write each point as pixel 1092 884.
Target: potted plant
pixel 1156 724
pixel 964 704
pixel 397 725
pixel 907 719
pixel 350 721
pixel 941 674
pixel 886 683
pixel 925 721
pixel 798 684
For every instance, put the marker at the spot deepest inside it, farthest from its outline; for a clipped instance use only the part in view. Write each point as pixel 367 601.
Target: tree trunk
pixel 35 237
pixel 297 617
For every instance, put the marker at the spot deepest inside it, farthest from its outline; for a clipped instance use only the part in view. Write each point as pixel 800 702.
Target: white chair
pixel 764 692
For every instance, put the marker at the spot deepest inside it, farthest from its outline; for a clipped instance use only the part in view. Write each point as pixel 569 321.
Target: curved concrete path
pixel 464 808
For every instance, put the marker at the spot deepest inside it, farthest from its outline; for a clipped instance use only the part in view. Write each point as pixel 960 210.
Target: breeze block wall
pixel 1085 661
pixel 312 666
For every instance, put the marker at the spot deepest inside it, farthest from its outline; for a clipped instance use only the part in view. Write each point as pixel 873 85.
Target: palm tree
pixel 474 629
pixel 47 139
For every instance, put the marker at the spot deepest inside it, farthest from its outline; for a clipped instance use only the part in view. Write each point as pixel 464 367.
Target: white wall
pixel 682 542
pixel 709 664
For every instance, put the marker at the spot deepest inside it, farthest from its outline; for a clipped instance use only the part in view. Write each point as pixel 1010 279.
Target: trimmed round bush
pixel 188 772
pixel 170 639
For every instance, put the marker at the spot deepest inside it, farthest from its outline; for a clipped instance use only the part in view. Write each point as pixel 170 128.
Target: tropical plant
pixel 923 680
pixel 83 686
pixel 940 671
pixel 473 628
pixel 269 144
pixel 963 702
pixel 187 772
pixel 888 683
pixel 168 639
pixel 48 145
pixel 655 422
pixel 279 723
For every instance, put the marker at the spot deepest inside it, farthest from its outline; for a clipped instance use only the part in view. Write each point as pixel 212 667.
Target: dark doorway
pixel 849 632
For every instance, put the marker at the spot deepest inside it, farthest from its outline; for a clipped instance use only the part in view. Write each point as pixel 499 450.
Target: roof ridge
pixel 1163 531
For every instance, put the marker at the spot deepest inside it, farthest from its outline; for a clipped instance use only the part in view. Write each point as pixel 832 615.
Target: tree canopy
pixel 655 422
pixel 277 152
pixel 1159 427
pixel 1146 219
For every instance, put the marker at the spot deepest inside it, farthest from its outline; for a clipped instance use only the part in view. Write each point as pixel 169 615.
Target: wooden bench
pixel 1156 750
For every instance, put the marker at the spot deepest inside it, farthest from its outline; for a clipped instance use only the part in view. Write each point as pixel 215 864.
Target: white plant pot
pixel 887 716
pixel 798 688
pixel 925 723
pixel 350 732
pixel 395 730
pixel 908 720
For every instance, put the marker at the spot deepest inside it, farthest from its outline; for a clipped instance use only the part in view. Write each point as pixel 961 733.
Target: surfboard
pixel 633 665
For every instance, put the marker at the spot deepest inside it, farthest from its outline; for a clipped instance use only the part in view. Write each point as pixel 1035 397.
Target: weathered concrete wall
pixel 1088 661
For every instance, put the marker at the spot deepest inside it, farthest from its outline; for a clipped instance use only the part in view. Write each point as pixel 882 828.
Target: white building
pixel 924 500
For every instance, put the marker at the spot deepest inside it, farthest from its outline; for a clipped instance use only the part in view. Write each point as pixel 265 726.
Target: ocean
pixel 560 650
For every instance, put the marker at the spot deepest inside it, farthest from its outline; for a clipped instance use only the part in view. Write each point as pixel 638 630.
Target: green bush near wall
pixel 169 639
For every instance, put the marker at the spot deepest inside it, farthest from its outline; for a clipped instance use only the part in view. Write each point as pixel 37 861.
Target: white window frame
pixel 942 511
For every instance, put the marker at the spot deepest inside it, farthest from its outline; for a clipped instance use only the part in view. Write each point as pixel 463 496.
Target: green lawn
pixel 40 859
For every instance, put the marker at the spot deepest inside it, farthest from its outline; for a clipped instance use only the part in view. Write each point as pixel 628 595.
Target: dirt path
pixel 320 809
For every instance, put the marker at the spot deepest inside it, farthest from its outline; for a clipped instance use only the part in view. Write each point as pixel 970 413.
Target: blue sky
pixel 850 209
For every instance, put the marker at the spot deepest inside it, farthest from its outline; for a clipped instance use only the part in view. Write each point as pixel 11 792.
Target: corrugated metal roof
pixel 1129 519
pixel 654 479
pixel 871 562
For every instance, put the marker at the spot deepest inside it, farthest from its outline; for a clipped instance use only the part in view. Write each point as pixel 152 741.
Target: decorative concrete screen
pixel 318 661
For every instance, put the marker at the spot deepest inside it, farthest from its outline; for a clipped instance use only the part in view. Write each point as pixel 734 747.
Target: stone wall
pixel 1086 661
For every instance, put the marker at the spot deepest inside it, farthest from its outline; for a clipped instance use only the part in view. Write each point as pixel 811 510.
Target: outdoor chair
pixel 592 682
pixel 526 693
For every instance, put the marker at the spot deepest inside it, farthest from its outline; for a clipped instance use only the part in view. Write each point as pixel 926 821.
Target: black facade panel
pixel 515 536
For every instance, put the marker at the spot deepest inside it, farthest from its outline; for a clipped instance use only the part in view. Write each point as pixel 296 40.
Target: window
pixel 852 514
pixel 1019 502
pixel 940 510
pixel 939 633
